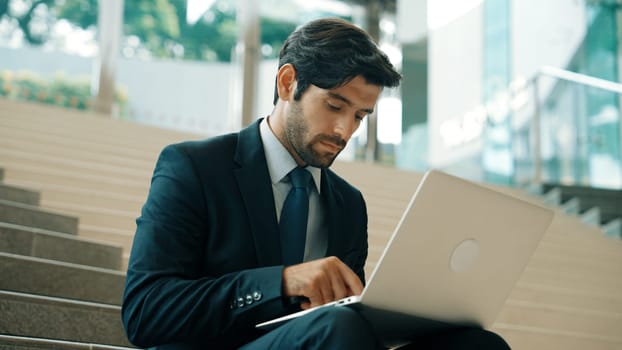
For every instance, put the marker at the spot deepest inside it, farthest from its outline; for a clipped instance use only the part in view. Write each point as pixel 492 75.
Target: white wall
pixel 191 96
pixel 455 56
pixel 265 93
pixel 545 33
pixel 44 63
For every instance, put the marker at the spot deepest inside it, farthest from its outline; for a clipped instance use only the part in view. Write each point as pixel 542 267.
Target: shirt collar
pixel 280 162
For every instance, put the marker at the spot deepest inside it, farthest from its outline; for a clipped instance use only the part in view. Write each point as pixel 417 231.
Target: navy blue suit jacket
pixel 205 265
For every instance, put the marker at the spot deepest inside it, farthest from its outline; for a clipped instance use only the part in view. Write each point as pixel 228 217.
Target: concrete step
pixel 613 229
pixel 387 223
pixel 123 238
pixel 12 158
pixel 28 215
pixel 85 126
pixel 98 216
pixel 571 319
pixel 572 206
pixel 570 230
pixel 568 297
pixel 558 277
pixel 608 200
pixel 580 254
pixel 90 145
pixel 31 315
pixel 591 217
pixel 526 337
pixel 28 241
pixel 20 195
pixel 92 197
pixel 62 177
pixel 10 342
pixel 572 253
pixel 60 279
pixel 390 205
pixel 49 145
pixel 571 266
pixel 553 197
pixel 1 174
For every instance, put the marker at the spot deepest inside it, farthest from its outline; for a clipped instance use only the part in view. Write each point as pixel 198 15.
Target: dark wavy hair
pixel 330 52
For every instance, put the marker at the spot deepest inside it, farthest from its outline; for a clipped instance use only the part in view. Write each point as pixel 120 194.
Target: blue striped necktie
pixel 294 215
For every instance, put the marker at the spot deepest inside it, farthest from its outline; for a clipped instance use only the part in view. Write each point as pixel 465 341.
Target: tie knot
pixel 299 177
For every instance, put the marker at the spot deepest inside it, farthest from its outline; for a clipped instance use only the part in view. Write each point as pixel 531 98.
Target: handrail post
pixel 536 127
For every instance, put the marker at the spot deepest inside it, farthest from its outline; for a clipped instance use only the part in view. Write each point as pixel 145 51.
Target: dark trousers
pixel 344 328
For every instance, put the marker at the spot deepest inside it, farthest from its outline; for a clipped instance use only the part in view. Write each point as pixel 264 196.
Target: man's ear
pixel 286 82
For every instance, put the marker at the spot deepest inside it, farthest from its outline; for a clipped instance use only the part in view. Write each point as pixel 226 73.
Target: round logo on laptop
pixel 464 255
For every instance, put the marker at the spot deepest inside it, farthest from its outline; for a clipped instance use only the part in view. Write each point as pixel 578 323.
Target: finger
pixel 335 287
pixel 306 279
pixel 351 280
pixel 338 284
pixel 316 299
pixel 327 283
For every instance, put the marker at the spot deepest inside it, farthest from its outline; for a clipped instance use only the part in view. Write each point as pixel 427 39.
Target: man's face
pixel 320 124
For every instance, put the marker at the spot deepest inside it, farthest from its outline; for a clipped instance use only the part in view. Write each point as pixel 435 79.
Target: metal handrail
pixel 566 75
pixel 580 78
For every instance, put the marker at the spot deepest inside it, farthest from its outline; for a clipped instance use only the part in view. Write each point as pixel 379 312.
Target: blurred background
pixel 504 91
pixel 523 95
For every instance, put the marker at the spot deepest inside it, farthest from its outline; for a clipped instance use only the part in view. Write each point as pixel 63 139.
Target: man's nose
pixel 344 127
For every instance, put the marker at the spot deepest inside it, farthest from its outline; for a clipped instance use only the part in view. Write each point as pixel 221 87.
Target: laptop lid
pixel 454 258
pixel 457 252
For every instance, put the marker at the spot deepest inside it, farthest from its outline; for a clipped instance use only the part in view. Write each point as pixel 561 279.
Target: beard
pixel 297 132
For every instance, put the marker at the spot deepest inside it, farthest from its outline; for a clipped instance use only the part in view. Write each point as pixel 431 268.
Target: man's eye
pixel 333 107
pixel 359 117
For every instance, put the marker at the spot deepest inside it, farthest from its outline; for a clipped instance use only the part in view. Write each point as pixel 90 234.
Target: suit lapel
pixel 333 202
pixel 254 182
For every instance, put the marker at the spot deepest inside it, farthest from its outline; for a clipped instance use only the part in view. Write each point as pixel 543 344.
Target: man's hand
pixel 321 281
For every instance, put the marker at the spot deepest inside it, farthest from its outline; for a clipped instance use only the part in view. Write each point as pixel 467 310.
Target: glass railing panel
pixel 570 136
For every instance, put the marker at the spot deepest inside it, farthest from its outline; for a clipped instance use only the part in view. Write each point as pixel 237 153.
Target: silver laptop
pixel 453 260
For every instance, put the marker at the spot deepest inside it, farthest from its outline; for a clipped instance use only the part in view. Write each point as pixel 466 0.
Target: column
pixel 373 28
pixel 109 25
pixel 249 56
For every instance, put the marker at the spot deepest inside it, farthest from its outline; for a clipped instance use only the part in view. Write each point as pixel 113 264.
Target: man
pixel 214 252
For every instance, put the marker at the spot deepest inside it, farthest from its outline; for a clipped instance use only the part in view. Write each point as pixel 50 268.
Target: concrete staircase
pixel 54 285
pixel 73 185
pixel 69 195
pixel 596 206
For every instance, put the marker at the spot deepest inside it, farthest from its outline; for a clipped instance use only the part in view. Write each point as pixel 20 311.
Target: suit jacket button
pixel 249 299
pixel 240 302
pixel 257 296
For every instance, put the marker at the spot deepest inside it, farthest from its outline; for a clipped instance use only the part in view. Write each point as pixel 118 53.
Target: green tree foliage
pixel 160 26
pixel 212 37
pixel 25 19
pixel 154 22
pixel 82 13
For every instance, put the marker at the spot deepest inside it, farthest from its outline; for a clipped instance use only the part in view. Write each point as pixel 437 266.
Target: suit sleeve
pixel 167 297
